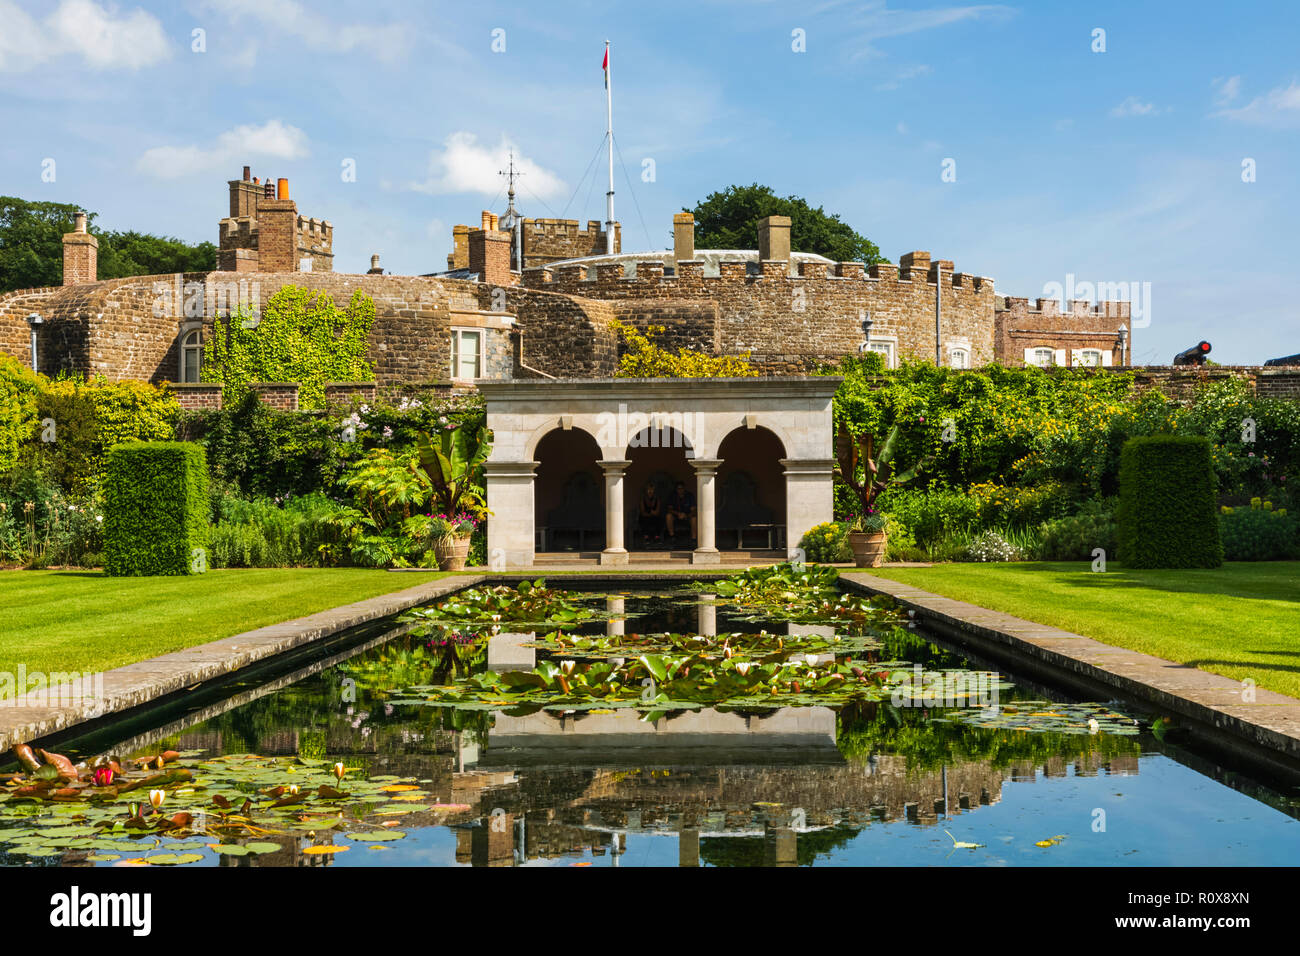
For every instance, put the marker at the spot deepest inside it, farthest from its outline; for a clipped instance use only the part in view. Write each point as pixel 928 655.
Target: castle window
pixel 1043 358
pixel 1090 357
pixel 959 358
pixel 191 355
pixel 466 354
pixel 885 348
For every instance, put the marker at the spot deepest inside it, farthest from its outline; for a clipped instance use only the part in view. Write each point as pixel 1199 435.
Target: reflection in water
pixel 876 784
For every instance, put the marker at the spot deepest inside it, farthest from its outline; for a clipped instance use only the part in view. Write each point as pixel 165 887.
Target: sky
pixel 1043 144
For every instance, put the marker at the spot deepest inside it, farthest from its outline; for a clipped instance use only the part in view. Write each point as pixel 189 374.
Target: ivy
pixel 301 337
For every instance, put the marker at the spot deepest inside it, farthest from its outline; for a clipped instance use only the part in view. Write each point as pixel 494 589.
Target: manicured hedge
pixel 155 509
pixel 1167 516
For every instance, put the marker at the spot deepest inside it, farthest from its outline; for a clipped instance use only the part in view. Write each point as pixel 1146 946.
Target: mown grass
pixel 1241 620
pixel 86 621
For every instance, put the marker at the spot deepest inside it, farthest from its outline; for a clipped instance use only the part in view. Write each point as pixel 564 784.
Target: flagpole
pixel 609 134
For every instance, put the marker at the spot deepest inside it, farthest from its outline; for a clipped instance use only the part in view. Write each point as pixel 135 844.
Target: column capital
pixel 614 466
pixel 808 466
pixel 509 469
pixel 704 466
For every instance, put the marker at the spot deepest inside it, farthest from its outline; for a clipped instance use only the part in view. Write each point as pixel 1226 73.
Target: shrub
pixel 991 546
pixel 262 534
pixel 91 416
pixel 930 516
pixel 1074 538
pixel 1166 504
pixel 18 410
pixel 155 509
pixel 41 526
pixel 826 543
pixel 1259 534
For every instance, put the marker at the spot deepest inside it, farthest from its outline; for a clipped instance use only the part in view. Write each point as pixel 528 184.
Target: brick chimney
pixel 489 256
pixel 774 239
pixel 80 254
pixel 683 237
pixel 277 224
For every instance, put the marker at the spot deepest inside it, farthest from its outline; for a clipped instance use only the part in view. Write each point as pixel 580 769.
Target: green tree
pixel 31 247
pixel 729 220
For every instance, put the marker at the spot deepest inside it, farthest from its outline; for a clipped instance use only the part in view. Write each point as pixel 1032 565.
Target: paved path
pixel 1270 721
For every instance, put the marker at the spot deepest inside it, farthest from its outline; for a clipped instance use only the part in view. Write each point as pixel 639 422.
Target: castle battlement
pixel 265 233
pixel 1077 308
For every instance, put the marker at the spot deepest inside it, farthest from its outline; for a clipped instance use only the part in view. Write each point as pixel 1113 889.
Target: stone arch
pixel 541 431
pixel 568 491
pixel 727 426
pixel 751 483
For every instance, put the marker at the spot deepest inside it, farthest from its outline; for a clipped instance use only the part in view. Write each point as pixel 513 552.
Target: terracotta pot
pixel 868 548
pixel 451 553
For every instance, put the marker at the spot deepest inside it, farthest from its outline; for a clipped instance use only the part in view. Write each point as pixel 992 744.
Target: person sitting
pixel 681 511
pixel 651 514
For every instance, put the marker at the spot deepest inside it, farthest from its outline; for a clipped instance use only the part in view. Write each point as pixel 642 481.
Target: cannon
pixel 1285 360
pixel 1193 356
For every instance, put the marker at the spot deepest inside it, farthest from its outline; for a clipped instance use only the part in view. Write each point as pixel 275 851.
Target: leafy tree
pixel 729 220
pixel 644 358
pixel 31 247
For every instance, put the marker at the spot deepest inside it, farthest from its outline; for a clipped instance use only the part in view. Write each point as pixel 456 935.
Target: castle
pixel 530 298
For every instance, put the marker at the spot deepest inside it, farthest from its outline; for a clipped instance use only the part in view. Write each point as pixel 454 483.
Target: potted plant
pixel 449 536
pixel 452 459
pixel 857 454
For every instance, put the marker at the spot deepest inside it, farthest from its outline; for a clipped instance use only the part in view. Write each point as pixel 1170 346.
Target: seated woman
pixel 651 518
pixel 681 511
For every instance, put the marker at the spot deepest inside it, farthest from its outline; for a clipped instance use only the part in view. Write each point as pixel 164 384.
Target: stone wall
pixel 789 323
pixel 15 333
pixel 548 240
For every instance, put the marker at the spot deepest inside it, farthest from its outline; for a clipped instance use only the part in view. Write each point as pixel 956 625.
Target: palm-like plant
pixel 452 460
pixel 859 453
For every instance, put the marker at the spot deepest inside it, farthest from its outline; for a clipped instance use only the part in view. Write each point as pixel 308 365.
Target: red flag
pixel 604 64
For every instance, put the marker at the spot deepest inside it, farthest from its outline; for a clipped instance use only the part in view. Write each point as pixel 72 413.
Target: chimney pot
pixel 282 189
pixel 79 222
pixel 247 172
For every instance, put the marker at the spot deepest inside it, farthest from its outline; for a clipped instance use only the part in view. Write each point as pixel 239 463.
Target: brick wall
pixel 1019 326
pixel 281 395
pixel 197 396
pixel 345 393
pixel 1274 382
pixel 277 243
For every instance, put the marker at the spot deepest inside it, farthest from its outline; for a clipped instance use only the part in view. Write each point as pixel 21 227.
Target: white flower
pixel 567 666
pixel 743 668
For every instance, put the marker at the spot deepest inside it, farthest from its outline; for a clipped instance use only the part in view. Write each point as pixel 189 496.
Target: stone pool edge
pixel 1270 724
pixel 32 717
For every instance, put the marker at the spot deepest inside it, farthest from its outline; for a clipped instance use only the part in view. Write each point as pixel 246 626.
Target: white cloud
pixel 273 139
pixel 104 38
pixel 389 41
pixel 463 166
pixel 872 21
pixel 1278 107
pixel 903 75
pixel 1132 106
pixel 1226 89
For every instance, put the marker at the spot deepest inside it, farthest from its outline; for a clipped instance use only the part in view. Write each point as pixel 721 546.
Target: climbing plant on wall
pixel 643 357
pixel 300 337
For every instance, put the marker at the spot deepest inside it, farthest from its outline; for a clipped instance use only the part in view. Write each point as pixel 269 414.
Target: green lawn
pixel 1241 620
pixel 87 621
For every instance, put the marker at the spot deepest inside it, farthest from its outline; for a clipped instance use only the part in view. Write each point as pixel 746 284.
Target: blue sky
pixel 1116 166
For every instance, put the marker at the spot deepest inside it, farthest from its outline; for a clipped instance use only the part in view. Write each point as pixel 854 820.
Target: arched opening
pixel 569 492
pixel 658 459
pixel 751 491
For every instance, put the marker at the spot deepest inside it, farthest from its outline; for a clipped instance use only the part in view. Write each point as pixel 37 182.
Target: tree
pixel 645 358
pixel 729 220
pixel 31 247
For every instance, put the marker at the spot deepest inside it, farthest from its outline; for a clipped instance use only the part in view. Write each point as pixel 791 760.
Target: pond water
pixel 1013 776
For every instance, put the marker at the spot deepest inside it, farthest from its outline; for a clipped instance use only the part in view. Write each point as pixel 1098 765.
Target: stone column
pixel 706 616
pixel 617 623
pixel 615 552
pixel 809 496
pixel 706 476
pixel 511 535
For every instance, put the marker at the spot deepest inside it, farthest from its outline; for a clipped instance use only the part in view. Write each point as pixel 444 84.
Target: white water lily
pixel 743 668
pixel 156 798
pixel 339 770
pixel 567 666
pixel 293 789
pixel 1093 726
